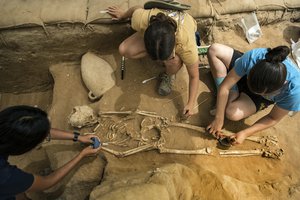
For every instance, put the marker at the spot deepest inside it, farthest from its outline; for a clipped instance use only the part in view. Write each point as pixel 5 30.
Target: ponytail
pixel 278 54
pixel 269 74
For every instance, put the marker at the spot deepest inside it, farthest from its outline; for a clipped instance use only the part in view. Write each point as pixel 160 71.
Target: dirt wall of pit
pixel 35 34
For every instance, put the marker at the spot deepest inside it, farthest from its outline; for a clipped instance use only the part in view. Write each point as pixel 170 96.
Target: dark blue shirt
pixel 12 180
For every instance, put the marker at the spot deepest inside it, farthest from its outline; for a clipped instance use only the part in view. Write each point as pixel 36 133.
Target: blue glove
pixel 96 142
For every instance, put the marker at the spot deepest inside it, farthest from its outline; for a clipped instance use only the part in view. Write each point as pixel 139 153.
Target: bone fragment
pixel 96 128
pixel 240 153
pixel 266 140
pixel 115 113
pixel 146 112
pixel 128 152
pixel 189 126
pixel 204 151
pixel 149 115
pixel 276 154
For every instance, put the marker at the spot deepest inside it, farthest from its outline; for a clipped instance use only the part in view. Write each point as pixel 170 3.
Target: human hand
pixel 116 12
pixel 215 128
pixel 87 138
pixel 89 151
pixel 187 111
pixel 239 138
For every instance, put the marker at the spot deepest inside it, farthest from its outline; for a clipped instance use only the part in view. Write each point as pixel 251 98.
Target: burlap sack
pixel 57 11
pixel 17 13
pixel 270 4
pixel 200 8
pixel 97 8
pixel 37 12
pixel 292 3
pixel 132 3
pixel 233 6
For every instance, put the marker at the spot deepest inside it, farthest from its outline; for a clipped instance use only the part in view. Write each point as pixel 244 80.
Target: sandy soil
pixel 150 175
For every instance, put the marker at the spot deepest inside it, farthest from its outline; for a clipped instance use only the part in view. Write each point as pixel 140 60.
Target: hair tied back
pixel 277 54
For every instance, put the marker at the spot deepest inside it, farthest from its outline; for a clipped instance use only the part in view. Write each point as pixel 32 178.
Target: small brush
pixel 122 68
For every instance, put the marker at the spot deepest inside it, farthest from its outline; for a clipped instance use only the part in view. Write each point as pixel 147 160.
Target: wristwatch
pixel 75 138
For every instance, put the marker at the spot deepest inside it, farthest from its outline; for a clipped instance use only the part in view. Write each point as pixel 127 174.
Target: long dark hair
pixel 21 129
pixel 159 37
pixel 269 74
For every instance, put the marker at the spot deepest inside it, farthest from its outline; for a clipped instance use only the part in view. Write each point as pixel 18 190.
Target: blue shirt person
pixel 250 82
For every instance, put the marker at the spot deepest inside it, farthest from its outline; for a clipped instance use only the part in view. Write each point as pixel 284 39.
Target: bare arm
pixel 119 14
pixel 193 88
pixel 222 99
pixel 265 122
pixel 65 135
pixel 60 134
pixel 44 182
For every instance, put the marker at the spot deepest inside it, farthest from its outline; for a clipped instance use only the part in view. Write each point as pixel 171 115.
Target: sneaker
pixel 165 86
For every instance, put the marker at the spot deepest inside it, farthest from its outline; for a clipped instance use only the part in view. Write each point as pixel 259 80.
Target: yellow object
pixel 185 45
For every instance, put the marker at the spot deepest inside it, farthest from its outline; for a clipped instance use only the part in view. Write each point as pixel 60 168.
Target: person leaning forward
pixel 168 36
pixel 22 128
pixel 251 81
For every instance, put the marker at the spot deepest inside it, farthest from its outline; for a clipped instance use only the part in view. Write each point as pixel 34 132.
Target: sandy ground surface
pixel 210 177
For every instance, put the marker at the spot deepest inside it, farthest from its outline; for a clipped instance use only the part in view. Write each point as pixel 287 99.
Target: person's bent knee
pixel 232 113
pixel 122 49
pixel 213 49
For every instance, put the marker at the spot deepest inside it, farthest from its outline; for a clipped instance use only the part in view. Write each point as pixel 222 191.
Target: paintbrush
pixel 122 67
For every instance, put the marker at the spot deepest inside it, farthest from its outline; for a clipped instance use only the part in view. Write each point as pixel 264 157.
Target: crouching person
pixel 22 128
pixel 250 82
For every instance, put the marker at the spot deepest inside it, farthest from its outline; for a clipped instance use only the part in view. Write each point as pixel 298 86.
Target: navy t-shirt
pixel 12 180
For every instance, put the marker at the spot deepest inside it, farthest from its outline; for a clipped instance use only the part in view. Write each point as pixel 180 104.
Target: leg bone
pixel 240 153
pixel 128 152
pixel 204 151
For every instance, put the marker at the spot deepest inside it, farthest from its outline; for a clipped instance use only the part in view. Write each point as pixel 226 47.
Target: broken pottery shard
pixel 97 75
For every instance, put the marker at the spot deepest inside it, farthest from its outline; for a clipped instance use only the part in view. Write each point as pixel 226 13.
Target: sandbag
pixel 292 3
pixel 97 75
pixel 17 13
pixel 97 8
pixel 57 11
pixel 200 8
pixel 233 6
pixel 39 12
pixel 270 4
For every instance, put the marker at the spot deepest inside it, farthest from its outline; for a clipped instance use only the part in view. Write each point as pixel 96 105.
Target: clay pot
pixel 97 75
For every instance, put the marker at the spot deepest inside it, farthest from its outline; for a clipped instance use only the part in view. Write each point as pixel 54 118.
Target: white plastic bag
pixel 296 51
pixel 250 26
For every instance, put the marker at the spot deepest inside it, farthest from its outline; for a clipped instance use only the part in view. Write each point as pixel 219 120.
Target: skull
pixel 82 116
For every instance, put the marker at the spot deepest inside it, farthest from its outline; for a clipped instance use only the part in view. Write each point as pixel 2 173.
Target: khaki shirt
pixel 185 42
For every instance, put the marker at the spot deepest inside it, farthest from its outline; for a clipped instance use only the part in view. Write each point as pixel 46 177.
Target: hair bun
pixel 162 18
pixel 277 54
